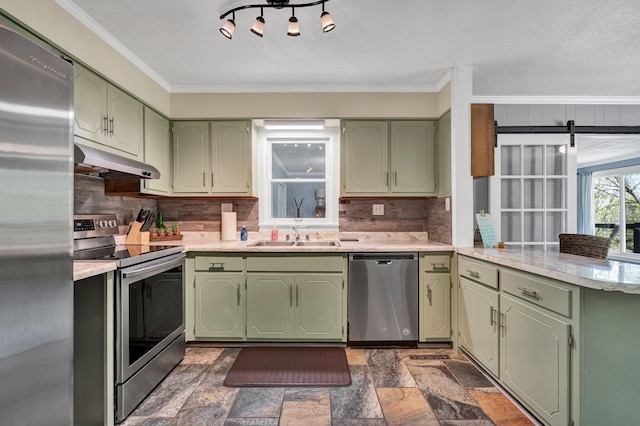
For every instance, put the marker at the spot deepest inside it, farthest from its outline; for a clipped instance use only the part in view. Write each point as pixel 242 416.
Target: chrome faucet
pixel 295 229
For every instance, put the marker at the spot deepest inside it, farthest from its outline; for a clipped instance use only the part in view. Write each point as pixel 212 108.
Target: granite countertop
pixel 349 243
pixel 599 274
pixel 89 268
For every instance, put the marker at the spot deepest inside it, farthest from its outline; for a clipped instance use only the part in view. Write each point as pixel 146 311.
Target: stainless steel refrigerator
pixel 36 212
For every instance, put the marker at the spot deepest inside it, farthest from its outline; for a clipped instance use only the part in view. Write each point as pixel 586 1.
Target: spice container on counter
pixel 244 235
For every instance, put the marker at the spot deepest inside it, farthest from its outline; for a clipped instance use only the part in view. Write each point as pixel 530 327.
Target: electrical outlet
pixel 447 204
pixel 378 209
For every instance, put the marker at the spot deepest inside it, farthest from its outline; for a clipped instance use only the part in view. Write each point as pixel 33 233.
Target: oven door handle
pixel 174 262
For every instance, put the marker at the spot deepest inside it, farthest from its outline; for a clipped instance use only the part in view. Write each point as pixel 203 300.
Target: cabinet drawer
pixel 537 290
pixel 219 263
pixel 437 263
pixel 481 272
pixel 285 263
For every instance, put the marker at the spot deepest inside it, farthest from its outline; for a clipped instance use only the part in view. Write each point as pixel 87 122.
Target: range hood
pixel 91 160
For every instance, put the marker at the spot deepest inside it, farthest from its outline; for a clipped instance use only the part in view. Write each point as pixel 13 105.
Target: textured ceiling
pixel 516 47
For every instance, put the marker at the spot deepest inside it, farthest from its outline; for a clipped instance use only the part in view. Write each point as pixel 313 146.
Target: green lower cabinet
pixel 283 306
pixel 477 323
pixel 319 303
pixel 436 323
pixel 220 301
pixel 535 359
pixel 270 306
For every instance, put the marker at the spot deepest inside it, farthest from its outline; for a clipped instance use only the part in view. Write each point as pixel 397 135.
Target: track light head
pixel 258 26
pixel 327 22
pixel 294 28
pixel 228 27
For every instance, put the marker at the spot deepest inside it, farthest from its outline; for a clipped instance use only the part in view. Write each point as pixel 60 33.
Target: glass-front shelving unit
pixel 533 191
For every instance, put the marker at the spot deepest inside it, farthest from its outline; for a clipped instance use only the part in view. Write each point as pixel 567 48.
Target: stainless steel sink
pixel 328 243
pixel 267 243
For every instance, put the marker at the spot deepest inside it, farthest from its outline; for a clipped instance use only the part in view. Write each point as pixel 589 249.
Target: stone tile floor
pixel 388 388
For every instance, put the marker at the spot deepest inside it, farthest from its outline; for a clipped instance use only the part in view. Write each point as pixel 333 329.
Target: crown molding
pixel 304 88
pixel 564 100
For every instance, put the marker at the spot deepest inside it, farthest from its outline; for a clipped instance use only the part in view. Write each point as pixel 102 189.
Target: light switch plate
pixel 378 209
pixel 447 204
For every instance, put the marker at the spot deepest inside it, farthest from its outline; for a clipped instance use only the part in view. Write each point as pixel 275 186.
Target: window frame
pixel 331 139
pixel 617 254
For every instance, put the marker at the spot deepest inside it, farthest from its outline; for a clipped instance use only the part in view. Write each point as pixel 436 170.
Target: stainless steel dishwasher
pixel 383 297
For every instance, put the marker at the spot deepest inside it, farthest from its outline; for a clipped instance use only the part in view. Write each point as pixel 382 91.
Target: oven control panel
pixel 94 225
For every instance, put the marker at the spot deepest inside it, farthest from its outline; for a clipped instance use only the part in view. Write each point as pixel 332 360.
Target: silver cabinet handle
pixel 203 178
pixel 105 125
pixel 291 296
pixel 297 296
pixel 473 274
pixel 429 295
pixel 531 293
pixel 439 266
pixel 387 178
pixel 492 315
pixel 501 323
pixel 395 178
pixel 216 265
pixel 111 126
pixel 238 303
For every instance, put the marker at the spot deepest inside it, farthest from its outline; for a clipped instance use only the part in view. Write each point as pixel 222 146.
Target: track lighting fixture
pixel 258 25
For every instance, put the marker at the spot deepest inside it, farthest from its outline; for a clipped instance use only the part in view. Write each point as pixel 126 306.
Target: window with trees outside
pixel 616 201
pixel 298 179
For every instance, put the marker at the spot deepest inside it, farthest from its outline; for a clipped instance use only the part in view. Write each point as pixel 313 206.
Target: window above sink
pixel 298 178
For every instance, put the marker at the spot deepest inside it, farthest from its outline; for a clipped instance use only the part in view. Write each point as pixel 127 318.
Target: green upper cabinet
pixel 212 157
pixel 365 157
pixel 191 157
pixel 412 157
pixel 106 115
pixel 230 157
pixel 388 158
pixel 157 151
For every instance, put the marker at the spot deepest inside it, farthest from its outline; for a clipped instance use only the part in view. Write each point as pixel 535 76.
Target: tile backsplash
pixel 355 215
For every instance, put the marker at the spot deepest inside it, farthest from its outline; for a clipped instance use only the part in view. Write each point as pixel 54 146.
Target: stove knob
pixel 102 224
pixel 112 224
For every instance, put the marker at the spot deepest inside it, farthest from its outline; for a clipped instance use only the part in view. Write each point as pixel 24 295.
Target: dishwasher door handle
pixel 384 262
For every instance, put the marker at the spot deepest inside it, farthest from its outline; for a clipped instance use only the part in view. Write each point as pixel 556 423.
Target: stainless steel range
pixel 149 329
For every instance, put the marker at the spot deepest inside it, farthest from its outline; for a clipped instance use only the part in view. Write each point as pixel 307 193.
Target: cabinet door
pixel 191 157
pixel 443 155
pixel 157 150
pixel 230 157
pixel 219 305
pixel 477 322
pixel 366 157
pixel 412 157
pixel 437 303
pixel 534 359
pixel 319 303
pixel 126 122
pixel 90 105
pixel 270 306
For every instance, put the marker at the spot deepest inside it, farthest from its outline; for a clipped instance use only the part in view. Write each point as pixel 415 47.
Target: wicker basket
pixel 584 245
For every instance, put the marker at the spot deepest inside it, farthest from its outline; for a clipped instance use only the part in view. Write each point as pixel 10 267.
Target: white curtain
pixel 586 223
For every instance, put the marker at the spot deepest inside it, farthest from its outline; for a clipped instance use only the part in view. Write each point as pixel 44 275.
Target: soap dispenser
pixel 244 235
pixel 274 233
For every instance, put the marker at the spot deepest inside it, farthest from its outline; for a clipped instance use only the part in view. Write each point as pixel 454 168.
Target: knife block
pixel 135 236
